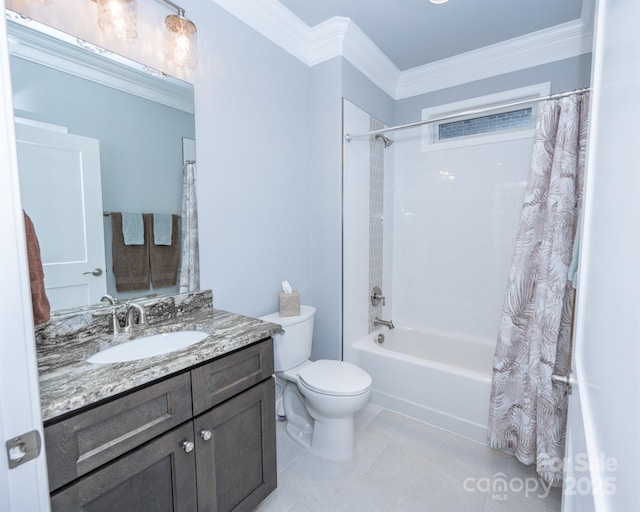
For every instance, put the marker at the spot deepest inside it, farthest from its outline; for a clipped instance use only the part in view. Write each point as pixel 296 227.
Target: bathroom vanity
pixel 189 430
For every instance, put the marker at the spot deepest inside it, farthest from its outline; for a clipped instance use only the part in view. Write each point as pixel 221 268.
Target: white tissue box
pixel 289 303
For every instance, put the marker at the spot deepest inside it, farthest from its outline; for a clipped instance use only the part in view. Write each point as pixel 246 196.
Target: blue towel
pixel 132 228
pixel 162 228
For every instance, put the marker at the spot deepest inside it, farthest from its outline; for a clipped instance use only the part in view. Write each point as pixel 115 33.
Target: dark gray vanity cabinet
pixel 201 440
pixel 160 476
pixel 236 466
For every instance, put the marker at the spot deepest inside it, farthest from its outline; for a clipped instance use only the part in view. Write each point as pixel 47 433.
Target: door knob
pixel 205 434
pixel 187 446
pixel 96 272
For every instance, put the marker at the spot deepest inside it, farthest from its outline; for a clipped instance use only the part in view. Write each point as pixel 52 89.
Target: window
pixel 509 120
pixel 507 123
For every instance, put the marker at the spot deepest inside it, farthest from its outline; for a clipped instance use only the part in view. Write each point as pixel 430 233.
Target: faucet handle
pixel 115 323
pixel 376 296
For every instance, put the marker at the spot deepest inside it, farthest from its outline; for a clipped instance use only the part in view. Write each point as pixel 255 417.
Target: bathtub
pixel 431 376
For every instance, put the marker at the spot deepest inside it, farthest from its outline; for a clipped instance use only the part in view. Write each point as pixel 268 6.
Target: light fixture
pixel 438 1
pixel 181 38
pixel 118 17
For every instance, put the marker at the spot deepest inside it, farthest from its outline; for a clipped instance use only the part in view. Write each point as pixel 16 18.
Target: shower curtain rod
pixel 349 137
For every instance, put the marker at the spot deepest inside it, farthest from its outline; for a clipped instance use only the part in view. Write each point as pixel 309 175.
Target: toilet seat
pixel 335 378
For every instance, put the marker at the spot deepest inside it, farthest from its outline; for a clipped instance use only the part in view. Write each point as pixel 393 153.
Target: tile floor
pixel 403 465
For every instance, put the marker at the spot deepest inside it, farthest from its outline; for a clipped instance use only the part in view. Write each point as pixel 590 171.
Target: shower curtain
pixel 189 258
pixel 528 412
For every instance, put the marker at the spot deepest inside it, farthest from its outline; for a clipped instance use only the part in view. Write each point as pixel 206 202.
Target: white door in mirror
pixel 61 191
pixel 148 346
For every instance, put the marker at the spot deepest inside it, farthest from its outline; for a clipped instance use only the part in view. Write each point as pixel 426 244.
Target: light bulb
pixel 118 17
pixel 181 41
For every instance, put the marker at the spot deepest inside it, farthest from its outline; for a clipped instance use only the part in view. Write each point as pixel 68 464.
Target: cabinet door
pixel 159 477
pixel 227 376
pixel 86 441
pixel 236 466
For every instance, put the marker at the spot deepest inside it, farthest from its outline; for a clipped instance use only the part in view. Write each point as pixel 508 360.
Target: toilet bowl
pixel 318 399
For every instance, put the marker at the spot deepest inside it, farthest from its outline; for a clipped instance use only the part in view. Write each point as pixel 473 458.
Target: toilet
pixel 318 399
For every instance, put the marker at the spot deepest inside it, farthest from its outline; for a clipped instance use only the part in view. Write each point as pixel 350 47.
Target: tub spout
pixel 389 323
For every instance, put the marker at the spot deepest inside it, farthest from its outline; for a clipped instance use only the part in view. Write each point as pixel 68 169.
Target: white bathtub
pixel 430 376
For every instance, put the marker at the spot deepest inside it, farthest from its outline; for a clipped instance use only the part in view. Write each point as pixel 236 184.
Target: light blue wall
pixel 252 131
pixel 564 75
pixel 269 149
pixel 325 236
pixel 269 133
pixel 330 82
pixel 140 140
pixel 363 93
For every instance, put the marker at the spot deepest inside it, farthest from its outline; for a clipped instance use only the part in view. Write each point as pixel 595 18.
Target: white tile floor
pixel 403 465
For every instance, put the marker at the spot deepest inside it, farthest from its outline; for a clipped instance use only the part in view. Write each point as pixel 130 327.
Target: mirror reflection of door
pixel 62 193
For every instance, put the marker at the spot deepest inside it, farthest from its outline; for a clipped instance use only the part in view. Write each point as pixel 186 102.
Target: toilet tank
pixel 293 346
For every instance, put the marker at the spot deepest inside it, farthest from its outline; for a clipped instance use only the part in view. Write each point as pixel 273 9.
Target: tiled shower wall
pixel 437 228
pixel 367 240
pixel 456 217
pixel 376 217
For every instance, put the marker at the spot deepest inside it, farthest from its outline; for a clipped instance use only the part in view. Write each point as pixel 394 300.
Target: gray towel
pixel 130 262
pixel 164 258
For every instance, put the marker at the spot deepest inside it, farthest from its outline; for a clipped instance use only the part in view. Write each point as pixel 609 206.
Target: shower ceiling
pixel 416 32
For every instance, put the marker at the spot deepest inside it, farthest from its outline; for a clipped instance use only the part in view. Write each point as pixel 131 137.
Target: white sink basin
pixel 148 346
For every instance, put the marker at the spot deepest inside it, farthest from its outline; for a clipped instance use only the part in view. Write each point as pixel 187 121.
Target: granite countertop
pixel 68 382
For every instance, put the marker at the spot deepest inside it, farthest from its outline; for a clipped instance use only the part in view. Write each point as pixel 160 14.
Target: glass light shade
pixel 118 17
pixel 438 1
pixel 181 41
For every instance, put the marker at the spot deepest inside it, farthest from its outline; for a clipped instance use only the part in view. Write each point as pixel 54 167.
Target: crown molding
pixel 326 40
pixel 275 22
pixel 342 37
pixel 361 51
pixel 33 41
pixel 335 37
pixel 542 47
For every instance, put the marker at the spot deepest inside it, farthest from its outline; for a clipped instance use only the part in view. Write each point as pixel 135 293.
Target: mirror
pixel 121 132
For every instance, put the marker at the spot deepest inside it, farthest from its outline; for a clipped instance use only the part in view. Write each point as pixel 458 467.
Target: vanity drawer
pixel 227 376
pixel 88 440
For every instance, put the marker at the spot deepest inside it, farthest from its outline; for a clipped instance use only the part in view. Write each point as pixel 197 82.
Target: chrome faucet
pixel 388 323
pixel 109 299
pixel 130 324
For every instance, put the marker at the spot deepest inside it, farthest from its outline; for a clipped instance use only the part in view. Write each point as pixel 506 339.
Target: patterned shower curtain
pixel 189 258
pixel 528 412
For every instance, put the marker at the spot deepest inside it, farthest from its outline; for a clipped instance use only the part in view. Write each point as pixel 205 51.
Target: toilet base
pixel 334 439
pixel 326 438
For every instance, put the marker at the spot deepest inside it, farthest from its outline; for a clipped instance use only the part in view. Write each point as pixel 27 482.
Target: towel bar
pixel 106 213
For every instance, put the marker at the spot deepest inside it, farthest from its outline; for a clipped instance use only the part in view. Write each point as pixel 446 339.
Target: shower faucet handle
pixel 377 297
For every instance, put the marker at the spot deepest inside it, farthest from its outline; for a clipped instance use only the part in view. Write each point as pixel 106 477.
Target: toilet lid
pixel 335 378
